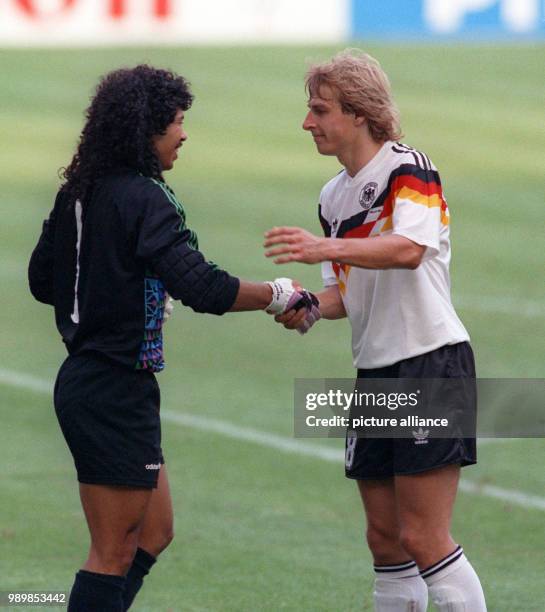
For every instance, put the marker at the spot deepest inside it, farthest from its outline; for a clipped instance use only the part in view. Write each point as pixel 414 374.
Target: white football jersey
pixel 399 313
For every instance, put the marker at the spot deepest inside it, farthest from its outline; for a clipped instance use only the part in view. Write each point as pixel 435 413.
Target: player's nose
pixel 309 122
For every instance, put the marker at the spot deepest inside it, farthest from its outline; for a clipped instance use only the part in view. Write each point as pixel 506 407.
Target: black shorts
pixel 109 416
pixel 378 458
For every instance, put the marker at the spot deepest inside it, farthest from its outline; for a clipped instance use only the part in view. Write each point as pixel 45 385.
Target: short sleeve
pixel 328 275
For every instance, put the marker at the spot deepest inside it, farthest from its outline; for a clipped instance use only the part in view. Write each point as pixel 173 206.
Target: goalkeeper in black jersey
pixel 114 247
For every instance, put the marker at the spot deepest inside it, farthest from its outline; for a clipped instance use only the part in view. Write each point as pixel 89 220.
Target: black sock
pixel 96 593
pixel 140 568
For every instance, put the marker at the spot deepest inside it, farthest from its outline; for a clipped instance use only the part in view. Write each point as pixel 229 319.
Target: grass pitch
pixel 257 528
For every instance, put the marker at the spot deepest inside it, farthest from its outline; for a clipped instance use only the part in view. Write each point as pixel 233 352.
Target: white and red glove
pixel 287 297
pixel 284 296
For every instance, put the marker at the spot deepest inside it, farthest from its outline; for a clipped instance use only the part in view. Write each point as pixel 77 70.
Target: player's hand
pixel 291 319
pixel 303 318
pixel 294 244
pixel 312 312
pixel 285 296
pixel 168 307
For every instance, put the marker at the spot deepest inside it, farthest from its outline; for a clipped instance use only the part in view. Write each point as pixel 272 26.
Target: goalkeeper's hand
pixel 286 296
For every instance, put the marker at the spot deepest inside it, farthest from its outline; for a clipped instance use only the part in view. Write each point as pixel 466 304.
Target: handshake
pixel 288 296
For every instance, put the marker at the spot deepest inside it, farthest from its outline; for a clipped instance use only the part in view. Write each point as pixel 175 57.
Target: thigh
pixel 114 514
pixel 428 496
pixel 157 525
pixel 380 505
pixel 425 503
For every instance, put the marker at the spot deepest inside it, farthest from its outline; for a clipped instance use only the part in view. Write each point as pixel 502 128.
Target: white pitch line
pixel 287 445
pixel 263 438
pixel 11 378
pixel 299 447
pixel 518 498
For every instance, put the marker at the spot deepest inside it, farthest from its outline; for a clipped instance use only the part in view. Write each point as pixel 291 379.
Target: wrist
pixel 269 292
pixel 334 249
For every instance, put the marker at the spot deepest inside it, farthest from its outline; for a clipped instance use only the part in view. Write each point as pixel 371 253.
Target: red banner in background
pixel 160 8
pixel 30 8
pixel 34 23
pixel 117 9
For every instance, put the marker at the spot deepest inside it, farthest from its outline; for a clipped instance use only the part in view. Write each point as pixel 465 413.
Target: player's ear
pixel 359 120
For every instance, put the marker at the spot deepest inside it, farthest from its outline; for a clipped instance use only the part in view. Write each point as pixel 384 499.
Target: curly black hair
pixel 130 106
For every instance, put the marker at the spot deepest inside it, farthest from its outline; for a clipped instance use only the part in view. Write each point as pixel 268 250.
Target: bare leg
pixel 425 502
pixel 155 535
pixel 379 502
pixel 114 516
pixel 157 531
pixel 398 585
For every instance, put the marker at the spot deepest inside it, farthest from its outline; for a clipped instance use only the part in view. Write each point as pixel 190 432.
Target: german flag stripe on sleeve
pixel 408 182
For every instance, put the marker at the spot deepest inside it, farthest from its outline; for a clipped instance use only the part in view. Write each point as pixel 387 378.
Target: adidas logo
pixel 153 466
pixel 421 436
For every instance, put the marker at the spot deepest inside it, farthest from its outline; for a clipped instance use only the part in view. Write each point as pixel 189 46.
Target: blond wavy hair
pixel 362 88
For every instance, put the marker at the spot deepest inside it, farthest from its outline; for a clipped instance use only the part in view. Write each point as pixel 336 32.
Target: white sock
pixel 453 584
pixel 399 588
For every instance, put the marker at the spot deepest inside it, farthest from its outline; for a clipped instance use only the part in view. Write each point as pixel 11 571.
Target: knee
pixel 382 541
pixel 155 544
pixel 415 542
pixel 125 558
pixel 116 560
pixel 165 538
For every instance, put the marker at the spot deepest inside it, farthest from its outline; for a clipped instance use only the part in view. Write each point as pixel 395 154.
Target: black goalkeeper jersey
pixel 105 268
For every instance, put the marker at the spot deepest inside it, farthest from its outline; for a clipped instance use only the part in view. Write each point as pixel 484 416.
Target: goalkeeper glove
pixel 284 296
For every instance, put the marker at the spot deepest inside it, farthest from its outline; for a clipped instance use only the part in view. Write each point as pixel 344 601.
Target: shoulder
pixel 405 155
pixel 157 189
pixel 145 187
pixel 407 166
pixel 141 193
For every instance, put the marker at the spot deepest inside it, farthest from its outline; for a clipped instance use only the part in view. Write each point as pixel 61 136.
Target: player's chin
pixel 323 148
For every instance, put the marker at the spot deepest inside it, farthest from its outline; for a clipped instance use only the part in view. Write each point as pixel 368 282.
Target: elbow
pixel 412 257
pixel 41 288
pixel 414 263
pixel 42 295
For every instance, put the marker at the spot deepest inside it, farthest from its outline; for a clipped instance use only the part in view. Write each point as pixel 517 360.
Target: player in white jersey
pixel 385 264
